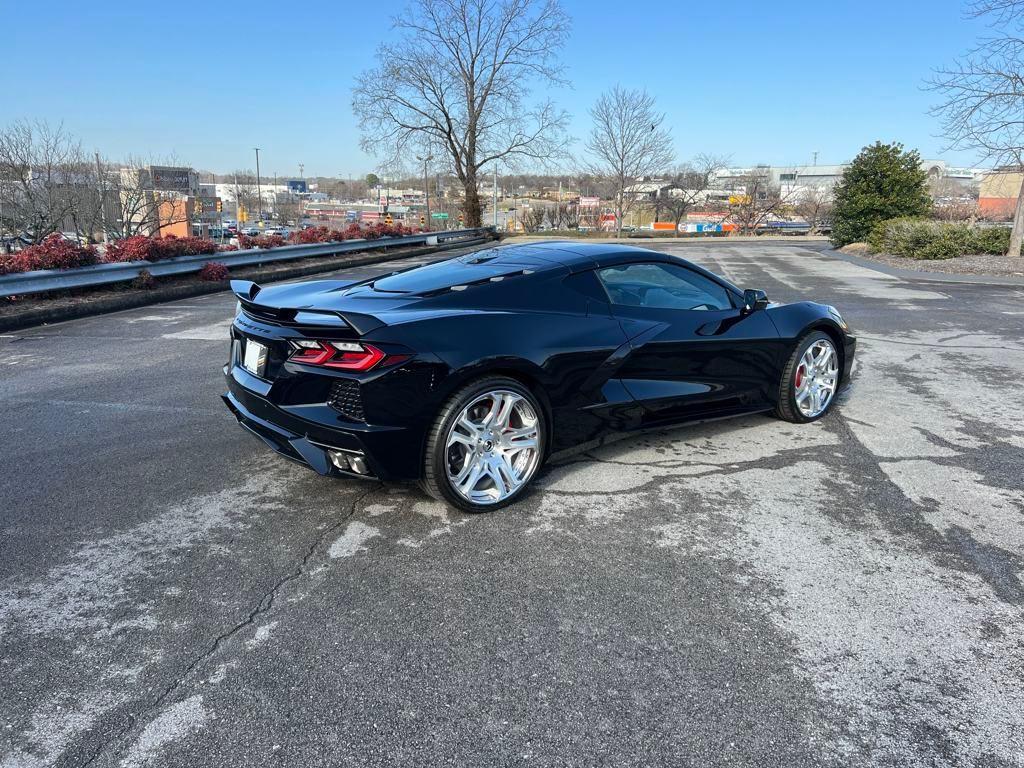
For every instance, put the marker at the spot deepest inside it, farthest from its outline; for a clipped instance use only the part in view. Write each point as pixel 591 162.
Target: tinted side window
pixel 662 286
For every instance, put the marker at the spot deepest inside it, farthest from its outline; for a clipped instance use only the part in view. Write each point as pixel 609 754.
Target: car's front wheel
pixel 485 446
pixel 810 379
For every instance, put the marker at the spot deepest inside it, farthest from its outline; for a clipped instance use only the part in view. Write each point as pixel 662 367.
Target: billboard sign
pixel 297 186
pixel 590 202
pixel 170 179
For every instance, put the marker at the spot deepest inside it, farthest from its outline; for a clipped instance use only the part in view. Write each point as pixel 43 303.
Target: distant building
pixel 794 181
pixel 999 190
pixel 160 199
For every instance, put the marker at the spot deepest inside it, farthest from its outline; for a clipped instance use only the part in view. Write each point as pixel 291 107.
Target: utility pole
pixel 426 185
pixel 103 199
pixel 815 154
pixel 239 208
pixel 259 194
pixel 495 194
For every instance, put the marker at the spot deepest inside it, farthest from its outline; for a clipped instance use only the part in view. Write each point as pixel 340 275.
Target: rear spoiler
pixel 246 291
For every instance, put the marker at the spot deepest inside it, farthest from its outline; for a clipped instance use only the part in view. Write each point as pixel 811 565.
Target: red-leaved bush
pixel 131 249
pixel 158 248
pixel 7 264
pixel 226 247
pixel 261 241
pixel 188 246
pixel 214 272
pixel 317 235
pixel 387 230
pixel 353 231
pixel 55 252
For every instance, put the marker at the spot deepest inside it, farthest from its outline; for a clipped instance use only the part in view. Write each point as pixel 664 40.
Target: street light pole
pixel 495 194
pixel 259 194
pixel 426 186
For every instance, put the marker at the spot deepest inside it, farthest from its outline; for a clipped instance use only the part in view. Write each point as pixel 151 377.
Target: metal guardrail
pixel 39 281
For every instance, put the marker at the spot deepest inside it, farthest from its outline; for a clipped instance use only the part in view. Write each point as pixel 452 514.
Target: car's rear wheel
pixel 485 446
pixel 810 379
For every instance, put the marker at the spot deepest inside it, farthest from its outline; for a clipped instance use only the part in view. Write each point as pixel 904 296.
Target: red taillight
pixel 346 355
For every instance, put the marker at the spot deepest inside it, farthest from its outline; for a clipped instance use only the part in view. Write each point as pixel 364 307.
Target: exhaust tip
pixel 349 462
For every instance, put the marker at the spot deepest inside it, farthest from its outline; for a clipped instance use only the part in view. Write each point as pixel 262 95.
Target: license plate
pixel 255 358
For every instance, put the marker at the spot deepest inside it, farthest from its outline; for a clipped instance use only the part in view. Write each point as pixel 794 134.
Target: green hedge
pixel 924 239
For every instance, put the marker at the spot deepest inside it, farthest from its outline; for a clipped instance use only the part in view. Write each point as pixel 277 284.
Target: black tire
pixel 787 407
pixel 435 476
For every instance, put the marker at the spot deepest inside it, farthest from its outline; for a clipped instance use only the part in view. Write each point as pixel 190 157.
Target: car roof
pixel 503 263
pixel 575 256
pixel 579 257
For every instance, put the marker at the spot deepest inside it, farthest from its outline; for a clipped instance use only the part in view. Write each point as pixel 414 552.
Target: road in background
pixel 750 592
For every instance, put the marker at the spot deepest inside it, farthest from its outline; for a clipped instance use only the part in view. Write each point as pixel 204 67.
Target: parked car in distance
pixel 251 231
pixel 282 231
pixel 467 374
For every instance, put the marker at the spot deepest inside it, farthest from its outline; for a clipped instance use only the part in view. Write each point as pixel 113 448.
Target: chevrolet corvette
pixel 467 374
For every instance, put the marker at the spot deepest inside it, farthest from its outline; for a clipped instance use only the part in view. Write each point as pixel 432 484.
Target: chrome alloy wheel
pixel 493 447
pixel 814 382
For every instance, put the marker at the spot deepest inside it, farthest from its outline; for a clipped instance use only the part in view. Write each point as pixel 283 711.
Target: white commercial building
pixel 793 181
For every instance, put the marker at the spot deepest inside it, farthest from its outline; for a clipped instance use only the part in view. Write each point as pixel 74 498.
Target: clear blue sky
pixel 761 82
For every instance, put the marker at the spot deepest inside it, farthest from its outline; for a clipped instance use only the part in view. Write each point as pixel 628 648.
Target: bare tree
pixel 983 98
pixel 133 206
pixel 688 188
pixel 289 208
pixel 458 80
pixel 814 205
pixel 564 216
pixel 627 143
pixel 761 200
pixel 245 192
pixel 44 179
pixel 533 217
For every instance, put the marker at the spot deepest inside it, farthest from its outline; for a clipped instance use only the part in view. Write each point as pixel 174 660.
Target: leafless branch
pixel 628 143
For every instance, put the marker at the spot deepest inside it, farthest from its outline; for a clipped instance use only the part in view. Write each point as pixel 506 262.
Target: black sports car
pixel 467 374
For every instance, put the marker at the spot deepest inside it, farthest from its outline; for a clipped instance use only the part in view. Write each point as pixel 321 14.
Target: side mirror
pixel 754 299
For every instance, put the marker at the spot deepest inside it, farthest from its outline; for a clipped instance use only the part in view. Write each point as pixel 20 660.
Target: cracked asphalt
pixel 751 592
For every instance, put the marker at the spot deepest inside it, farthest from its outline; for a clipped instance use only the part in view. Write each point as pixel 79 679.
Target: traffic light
pixel 461 219
pixel 243 215
pixel 220 205
pixel 388 220
pixel 197 206
pixel 423 220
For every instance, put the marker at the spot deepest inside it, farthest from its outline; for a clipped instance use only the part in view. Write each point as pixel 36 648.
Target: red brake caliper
pixel 799 376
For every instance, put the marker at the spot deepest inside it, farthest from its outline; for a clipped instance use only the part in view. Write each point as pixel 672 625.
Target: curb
pixel 925 276
pixel 808 241
pixel 133 299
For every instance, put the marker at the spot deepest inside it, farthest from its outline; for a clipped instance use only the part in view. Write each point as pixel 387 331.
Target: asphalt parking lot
pixel 752 592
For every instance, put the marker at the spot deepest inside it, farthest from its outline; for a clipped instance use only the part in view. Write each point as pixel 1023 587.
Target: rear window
pixel 471 268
